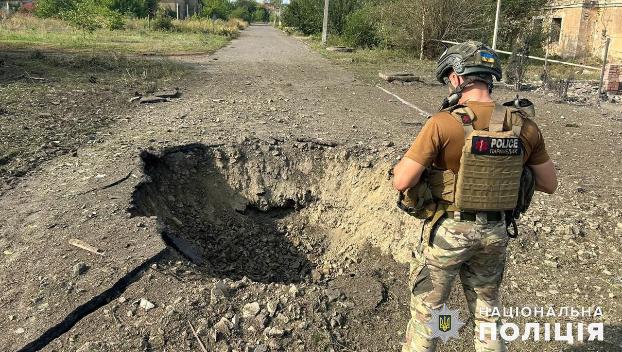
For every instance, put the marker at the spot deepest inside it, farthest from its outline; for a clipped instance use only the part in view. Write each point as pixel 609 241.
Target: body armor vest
pixel 490 166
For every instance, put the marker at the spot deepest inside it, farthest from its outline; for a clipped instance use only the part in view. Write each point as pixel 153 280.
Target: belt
pixel 479 216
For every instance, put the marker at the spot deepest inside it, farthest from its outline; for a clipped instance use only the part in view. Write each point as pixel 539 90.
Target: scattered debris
pixel 145 304
pixel 399 76
pixel 112 184
pixel 80 268
pixel 250 310
pixel 175 93
pixel 152 100
pixel 222 328
pixel 194 332
pixel 317 141
pixel 87 247
pixel 340 49
pixel 220 290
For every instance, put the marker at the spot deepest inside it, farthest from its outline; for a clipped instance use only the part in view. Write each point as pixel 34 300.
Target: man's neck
pixel 475 94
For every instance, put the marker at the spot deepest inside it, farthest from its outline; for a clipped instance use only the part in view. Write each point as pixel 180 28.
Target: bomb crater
pixel 270 211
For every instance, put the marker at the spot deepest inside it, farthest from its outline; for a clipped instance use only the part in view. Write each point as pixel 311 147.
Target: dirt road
pixel 287 154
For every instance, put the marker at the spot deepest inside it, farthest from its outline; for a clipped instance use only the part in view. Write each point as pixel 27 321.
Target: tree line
pixel 400 24
pixel 94 14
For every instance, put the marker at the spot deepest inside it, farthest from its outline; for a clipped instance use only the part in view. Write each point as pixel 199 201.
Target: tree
pixel 53 8
pixel 217 9
pixel 339 11
pixel 306 15
pixel 245 9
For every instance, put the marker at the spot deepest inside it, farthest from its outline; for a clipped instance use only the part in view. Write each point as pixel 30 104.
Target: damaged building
pixel 182 8
pixel 578 29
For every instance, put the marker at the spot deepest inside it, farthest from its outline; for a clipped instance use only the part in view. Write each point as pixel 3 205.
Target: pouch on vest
pixel 442 184
pixel 525 194
pixel 490 166
pixel 418 200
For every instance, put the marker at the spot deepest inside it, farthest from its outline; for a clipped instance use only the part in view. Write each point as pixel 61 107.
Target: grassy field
pixel 20 33
pixel 368 62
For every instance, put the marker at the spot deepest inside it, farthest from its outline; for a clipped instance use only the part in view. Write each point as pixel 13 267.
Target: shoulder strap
pixel 506 119
pixel 464 115
pixel 498 119
pixel 517 123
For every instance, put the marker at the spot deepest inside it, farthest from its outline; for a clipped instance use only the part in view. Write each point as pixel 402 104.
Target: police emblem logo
pixel 496 146
pixel 445 323
pixel 466 119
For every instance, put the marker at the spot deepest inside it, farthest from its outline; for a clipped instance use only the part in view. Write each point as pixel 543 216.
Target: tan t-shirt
pixel 441 140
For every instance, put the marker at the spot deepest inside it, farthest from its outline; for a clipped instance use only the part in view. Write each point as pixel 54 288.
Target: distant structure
pixel 182 8
pixel 578 29
pixel 269 6
pixel 8 7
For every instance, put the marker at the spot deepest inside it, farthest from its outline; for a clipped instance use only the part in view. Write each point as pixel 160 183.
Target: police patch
pixel 496 146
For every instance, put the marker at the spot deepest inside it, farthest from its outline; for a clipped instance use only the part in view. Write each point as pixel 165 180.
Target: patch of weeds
pixel 193 37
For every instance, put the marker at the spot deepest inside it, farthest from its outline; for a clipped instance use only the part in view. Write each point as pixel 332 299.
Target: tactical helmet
pixel 468 58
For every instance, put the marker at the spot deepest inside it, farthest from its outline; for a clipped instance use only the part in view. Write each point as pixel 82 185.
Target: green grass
pixel 125 42
pixel 28 33
pixel 368 62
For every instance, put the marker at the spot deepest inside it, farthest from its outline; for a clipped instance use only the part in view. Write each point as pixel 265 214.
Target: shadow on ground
pixel 612 342
pixel 213 224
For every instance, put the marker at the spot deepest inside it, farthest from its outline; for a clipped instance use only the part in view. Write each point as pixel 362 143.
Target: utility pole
pixel 422 35
pixel 325 23
pixel 545 79
pixel 602 72
pixel 494 36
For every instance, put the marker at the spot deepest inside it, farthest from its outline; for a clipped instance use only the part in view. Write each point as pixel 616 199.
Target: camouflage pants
pixel 476 252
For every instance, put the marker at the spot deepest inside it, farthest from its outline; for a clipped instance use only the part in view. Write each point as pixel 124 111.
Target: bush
pixel 91 15
pixel 162 21
pixel 84 14
pixel 218 27
pixel 114 20
pixel 53 8
pixel 237 23
pixel 241 13
pixel 306 15
pixel 360 29
pixel 216 9
pixel 339 11
pixel 133 8
pixel 261 15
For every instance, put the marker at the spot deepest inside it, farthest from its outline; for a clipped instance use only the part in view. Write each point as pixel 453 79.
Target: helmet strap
pixel 456 94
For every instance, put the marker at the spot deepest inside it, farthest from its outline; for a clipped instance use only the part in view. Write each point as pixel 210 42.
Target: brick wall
pixel 613 79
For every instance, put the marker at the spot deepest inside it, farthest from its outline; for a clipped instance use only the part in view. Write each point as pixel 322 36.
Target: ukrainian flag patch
pixel 487 57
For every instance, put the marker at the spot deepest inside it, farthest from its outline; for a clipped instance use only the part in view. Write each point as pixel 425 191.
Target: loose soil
pixel 263 196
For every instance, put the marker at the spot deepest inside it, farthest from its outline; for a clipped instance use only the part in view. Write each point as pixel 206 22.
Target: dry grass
pixel 239 23
pixel 21 32
pixel 20 22
pixel 230 28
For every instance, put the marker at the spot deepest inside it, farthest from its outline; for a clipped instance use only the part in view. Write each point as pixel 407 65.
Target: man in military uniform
pixel 471 244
